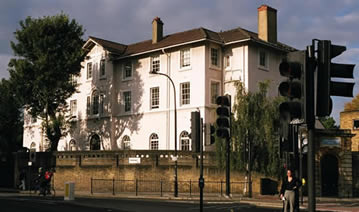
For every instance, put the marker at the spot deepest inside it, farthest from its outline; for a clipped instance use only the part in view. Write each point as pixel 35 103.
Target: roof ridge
pixel 203 32
pixel 176 33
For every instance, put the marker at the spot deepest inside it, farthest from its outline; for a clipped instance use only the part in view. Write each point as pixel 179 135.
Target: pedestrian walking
pixel 22 180
pixel 289 191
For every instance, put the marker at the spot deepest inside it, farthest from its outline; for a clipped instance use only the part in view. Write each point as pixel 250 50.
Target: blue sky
pixel 129 21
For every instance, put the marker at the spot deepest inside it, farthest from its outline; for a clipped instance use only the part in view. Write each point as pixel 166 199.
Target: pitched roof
pixel 111 46
pixel 180 38
pixel 172 39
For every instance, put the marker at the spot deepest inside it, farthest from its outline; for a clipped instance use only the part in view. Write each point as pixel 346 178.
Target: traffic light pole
pixel 228 177
pixel 311 65
pixel 224 131
pixel 175 131
pixel 311 168
pixel 201 179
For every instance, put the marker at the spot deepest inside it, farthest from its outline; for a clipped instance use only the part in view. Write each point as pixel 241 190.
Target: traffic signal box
pixel 298 88
pixel 223 116
pixel 293 88
pixel 195 131
pixel 328 70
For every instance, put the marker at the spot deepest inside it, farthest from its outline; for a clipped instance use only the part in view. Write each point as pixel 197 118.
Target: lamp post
pixel 175 111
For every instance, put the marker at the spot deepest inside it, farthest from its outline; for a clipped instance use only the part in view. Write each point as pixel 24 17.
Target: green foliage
pixel 256 120
pixel 328 123
pixel 11 120
pixel 353 105
pixel 48 54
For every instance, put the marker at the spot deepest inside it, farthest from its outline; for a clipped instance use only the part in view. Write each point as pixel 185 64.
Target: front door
pixel 330 175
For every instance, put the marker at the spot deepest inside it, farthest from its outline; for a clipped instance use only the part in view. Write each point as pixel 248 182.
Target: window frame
pixel 124 71
pixel 102 70
pixel 72 145
pixel 92 139
pixel 184 136
pixel 227 61
pixel 154 141
pixel 182 59
pixel 218 62
pixel 218 90
pixel 89 71
pixel 265 59
pixel 154 106
pixel 355 120
pixel 73 109
pixel 185 101
pixel 95 103
pixel 126 142
pixel 125 101
pixel 155 59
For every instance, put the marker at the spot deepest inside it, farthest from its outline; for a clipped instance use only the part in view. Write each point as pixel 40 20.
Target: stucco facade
pixel 120 104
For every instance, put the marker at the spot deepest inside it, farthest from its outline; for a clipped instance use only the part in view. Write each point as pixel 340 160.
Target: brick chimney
pixel 267 24
pixel 157 30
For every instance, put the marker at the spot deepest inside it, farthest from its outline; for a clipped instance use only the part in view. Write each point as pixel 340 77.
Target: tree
pixel 328 123
pixel 48 53
pixel 353 105
pixel 255 121
pixel 10 115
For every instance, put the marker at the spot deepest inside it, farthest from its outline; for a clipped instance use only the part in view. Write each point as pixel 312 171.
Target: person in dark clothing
pixel 289 191
pixel 22 180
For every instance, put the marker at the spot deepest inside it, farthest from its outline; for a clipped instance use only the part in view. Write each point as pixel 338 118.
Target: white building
pixel 121 105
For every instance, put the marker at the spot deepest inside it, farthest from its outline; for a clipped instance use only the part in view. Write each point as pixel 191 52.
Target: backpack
pixel 48 175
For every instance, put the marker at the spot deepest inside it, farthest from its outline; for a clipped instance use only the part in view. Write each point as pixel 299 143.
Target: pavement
pixel 267 201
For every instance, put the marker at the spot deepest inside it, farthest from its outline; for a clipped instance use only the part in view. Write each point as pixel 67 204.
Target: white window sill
pixel 215 67
pixel 187 68
pixel 127 79
pixel 263 68
pixel 97 116
pixel 229 68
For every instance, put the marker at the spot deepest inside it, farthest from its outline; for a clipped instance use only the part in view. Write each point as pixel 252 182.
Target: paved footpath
pixel 322 204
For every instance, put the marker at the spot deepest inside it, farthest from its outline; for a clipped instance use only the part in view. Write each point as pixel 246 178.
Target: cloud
pixel 4 61
pixel 350 18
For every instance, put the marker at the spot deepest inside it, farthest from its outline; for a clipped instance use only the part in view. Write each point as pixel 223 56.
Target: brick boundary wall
pixel 81 167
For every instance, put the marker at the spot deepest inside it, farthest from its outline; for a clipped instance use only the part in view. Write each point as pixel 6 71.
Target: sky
pixel 129 21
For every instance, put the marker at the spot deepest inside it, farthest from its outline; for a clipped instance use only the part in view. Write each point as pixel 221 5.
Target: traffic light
pixel 294 88
pixel 224 116
pixel 327 70
pixel 195 131
pixel 212 131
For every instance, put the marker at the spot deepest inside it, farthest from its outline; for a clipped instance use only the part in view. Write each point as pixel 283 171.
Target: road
pixel 40 204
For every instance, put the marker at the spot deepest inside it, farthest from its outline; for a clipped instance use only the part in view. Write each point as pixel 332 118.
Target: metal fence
pixel 161 187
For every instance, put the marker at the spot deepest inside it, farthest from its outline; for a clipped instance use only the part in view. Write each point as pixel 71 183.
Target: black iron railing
pixel 161 187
